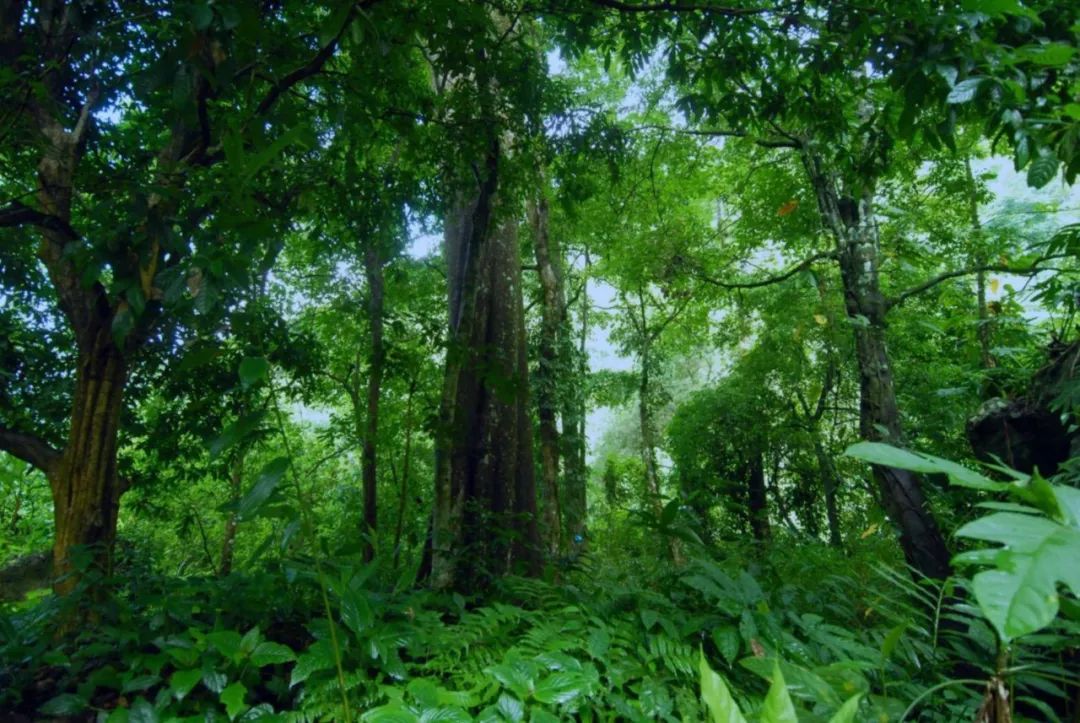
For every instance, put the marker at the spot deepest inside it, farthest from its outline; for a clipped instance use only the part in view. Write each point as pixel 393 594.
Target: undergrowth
pixel 597 644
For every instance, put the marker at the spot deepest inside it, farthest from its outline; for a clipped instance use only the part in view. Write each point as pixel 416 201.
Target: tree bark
pixel 85 485
pixel 757 499
pixel 373 271
pixel 550 370
pixel 484 522
pixel 851 220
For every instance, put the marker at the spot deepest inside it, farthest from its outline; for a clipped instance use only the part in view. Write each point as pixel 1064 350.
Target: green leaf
pixel 1050 54
pixel 1042 170
pixel 447 714
pixel 233 699
pixel 727 641
pixel 142 711
pixel 201 16
pixel 317 657
pixel 236 432
pixel 227 642
pixel 140 683
pixel 889 456
pixel 1020 596
pixel 214 680
pixel 269 653
pixel 888 645
pixel 997 8
pixel 183 681
pixel 250 641
pixel 717 696
pixel 511 707
pixel 253 369
pixel 560 688
pixel 65 704
pixel 264 486
pixel 122 323
pixel 778 707
pixel 964 91
pixel 847 711
pixel 394 712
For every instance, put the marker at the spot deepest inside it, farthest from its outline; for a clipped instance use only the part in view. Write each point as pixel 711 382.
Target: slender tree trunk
pixel 984 330
pixel 85 485
pixel 851 220
pixel 373 271
pixel 228 539
pixel 573 425
pixel 648 449
pixel 830 479
pixel 758 501
pixel 405 468
pixel 550 370
pixel 484 522
pixel 648 441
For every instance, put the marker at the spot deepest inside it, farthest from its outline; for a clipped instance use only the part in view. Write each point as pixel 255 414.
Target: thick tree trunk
pixel 550 371
pixel 85 485
pixel 484 522
pixel 373 271
pixel 851 220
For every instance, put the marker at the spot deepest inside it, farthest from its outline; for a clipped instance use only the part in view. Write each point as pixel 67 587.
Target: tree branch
pixel 313 66
pixel 967 271
pixel 678 7
pixel 719 133
pixel 30 449
pixel 19 214
pixel 801 266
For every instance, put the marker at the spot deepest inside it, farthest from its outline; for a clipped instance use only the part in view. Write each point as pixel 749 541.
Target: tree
pixel 129 217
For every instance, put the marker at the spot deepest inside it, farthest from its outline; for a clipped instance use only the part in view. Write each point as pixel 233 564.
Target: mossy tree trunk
pixel 484 522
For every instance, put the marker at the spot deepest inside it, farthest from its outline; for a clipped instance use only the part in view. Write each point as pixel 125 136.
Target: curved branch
pixel 930 283
pixel 30 449
pixel 313 66
pixel 801 266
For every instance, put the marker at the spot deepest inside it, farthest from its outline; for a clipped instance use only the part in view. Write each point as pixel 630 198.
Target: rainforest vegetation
pixel 539 360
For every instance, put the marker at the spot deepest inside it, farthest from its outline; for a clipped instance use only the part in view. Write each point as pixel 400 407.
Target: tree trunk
pixel 405 469
pixel 851 221
pixel 573 413
pixel 648 448
pixel 228 538
pixel 550 370
pixel 484 521
pixel 984 330
pixel 373 271
pixel 830 479
pixel 85 485
pixel 757 500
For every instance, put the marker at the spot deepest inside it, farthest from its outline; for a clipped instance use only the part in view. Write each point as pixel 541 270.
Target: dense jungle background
pixel 539 360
